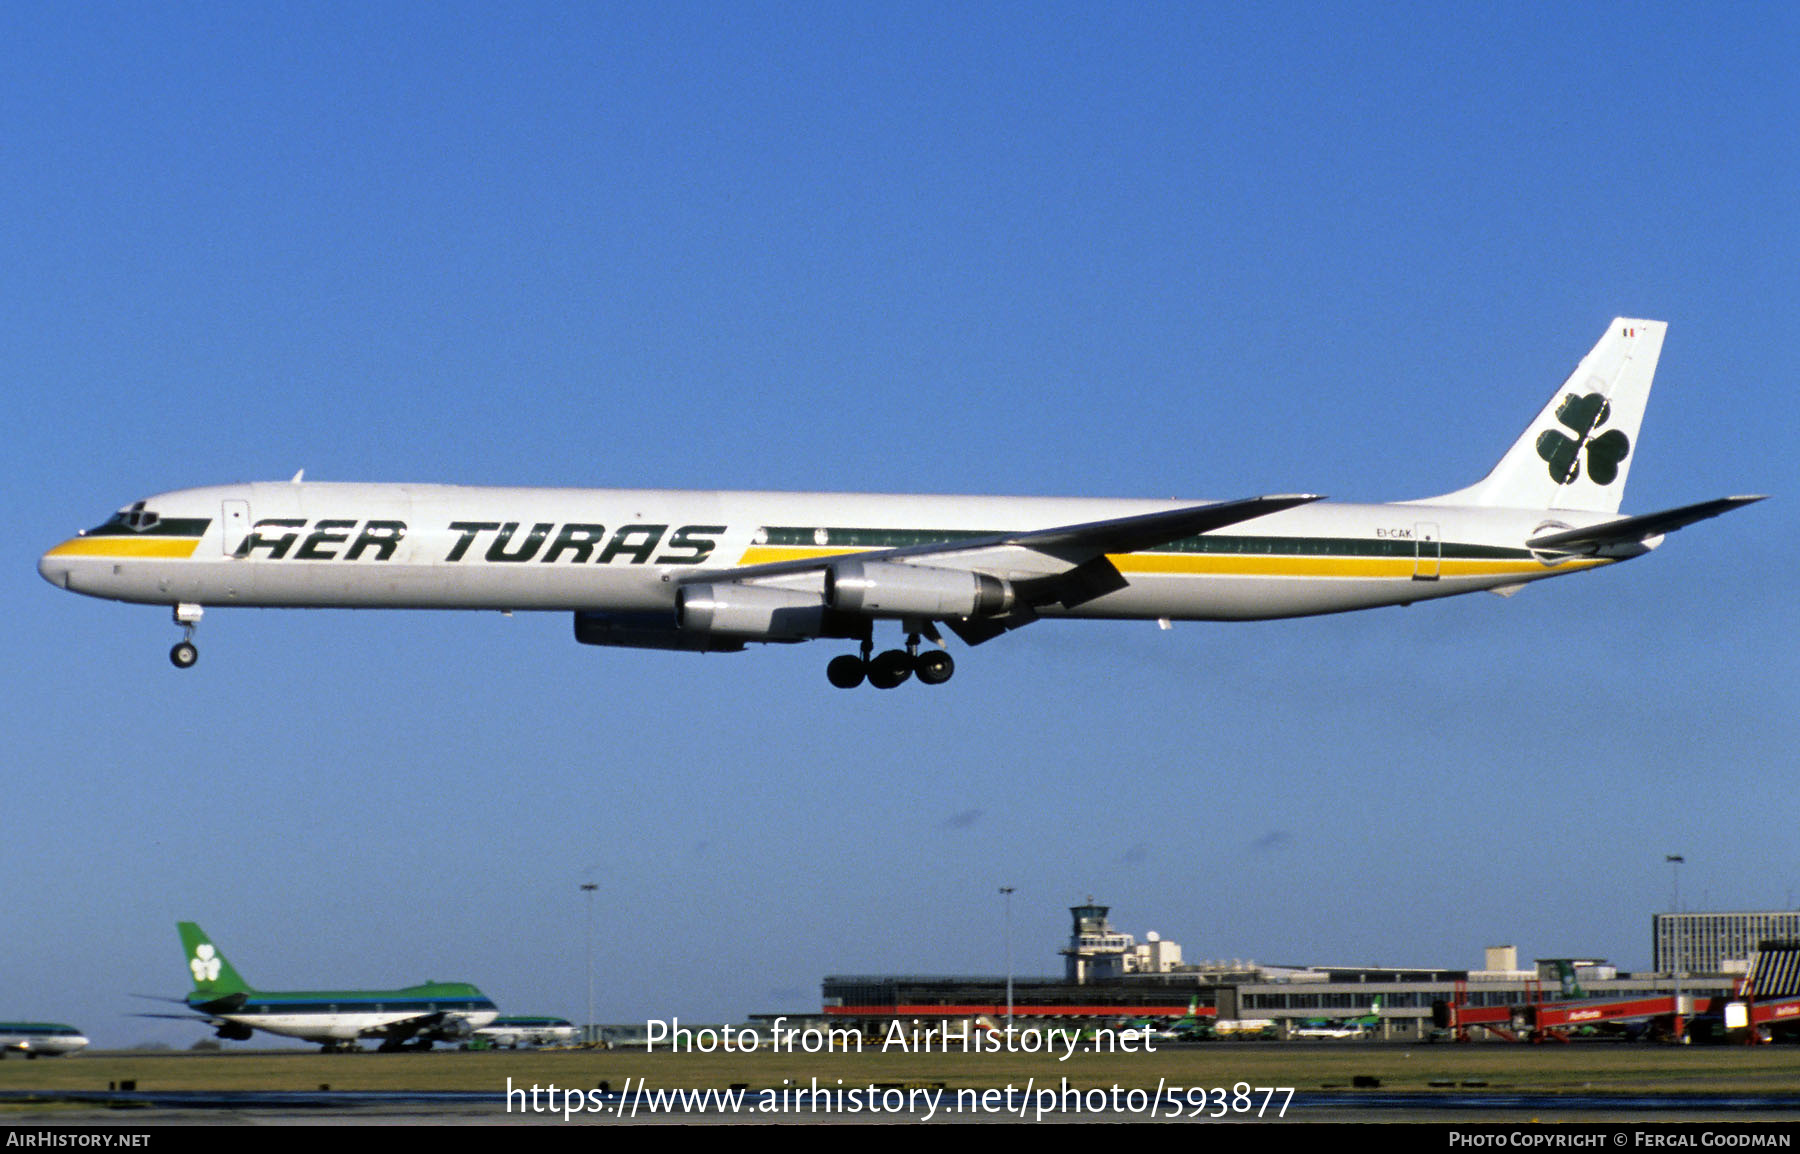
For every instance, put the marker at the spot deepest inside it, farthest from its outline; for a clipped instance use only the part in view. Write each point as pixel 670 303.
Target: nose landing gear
pixel 187 615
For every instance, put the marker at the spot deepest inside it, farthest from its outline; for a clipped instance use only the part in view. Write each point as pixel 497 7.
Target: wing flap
pixel 1088 581
pixel 975 630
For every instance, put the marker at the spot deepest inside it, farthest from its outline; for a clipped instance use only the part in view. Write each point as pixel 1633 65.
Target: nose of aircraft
pixel 54 567
pixel 76 566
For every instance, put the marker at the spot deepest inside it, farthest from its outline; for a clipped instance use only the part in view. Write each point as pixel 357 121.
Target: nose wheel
pixel 185 654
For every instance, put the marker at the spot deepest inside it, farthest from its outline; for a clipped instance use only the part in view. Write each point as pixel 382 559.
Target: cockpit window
pixel 136 518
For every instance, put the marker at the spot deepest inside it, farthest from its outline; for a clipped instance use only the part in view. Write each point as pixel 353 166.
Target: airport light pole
pixel 1675 861
pixel 1007 893
pixel 590 889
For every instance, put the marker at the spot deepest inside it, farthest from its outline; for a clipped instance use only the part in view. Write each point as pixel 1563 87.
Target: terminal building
pixel 1109 976
pixel 1718 943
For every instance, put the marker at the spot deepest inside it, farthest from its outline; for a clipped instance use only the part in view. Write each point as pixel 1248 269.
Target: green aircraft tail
pixel 1571 985
pixel 212 974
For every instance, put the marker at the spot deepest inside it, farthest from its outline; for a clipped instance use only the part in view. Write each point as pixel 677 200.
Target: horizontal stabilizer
pixel 229 1004
pixel 1630 530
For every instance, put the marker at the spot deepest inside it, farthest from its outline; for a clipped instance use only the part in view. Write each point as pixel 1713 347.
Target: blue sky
pixel 1180 250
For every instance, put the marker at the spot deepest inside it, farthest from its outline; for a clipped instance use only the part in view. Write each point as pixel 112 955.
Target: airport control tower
pixel 1094 950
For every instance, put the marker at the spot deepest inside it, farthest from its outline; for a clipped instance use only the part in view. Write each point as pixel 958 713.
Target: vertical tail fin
pixel 1577 452
pixel 213 975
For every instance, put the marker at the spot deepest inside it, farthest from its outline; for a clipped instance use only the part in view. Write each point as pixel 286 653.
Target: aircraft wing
pixel 1631 530
pixel 1069 545
pixel 403 1030
pixel 438 1026
pixel 1129 534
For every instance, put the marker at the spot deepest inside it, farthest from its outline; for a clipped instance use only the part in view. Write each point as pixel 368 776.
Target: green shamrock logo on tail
pixel 205 963
pixel 1583 415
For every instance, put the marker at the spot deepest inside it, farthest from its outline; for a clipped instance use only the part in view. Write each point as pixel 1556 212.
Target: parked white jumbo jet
pixel 410 1018
pixel 711 571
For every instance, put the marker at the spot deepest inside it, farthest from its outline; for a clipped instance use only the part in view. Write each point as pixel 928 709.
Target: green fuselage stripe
pixel 839 537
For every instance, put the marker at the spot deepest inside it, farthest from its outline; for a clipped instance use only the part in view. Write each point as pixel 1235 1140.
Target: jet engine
pixel 646 631
pixel 453 1029
pixel 887 589
pixel 750 612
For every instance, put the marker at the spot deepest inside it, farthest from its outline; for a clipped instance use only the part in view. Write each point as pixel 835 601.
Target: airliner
pixel 512 1033
pixel 716 571
pixel 32 1039
pixel 412 1018
pixel 1355 1027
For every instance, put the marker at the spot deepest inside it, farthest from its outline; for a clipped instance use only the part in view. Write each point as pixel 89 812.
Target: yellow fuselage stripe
pixel 126 547
pixel 1186 564
pixel 1237 566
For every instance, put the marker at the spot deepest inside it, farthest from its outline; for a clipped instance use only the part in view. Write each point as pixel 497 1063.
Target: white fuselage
pixel 333 1016
pixel 451 547
pixel 345 1026
pixel 45 1038
pixel 511 1033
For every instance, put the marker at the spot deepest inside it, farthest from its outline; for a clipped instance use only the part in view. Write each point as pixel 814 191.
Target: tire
pixel 846 671
pixel 184 654
pixel 890 669
pixel 934 667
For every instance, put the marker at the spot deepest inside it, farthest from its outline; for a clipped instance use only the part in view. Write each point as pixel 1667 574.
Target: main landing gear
pixel 184 654
pixel 891 669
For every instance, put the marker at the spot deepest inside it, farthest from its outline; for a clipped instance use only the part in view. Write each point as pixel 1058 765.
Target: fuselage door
pixel 1429 561
pixel 235 518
